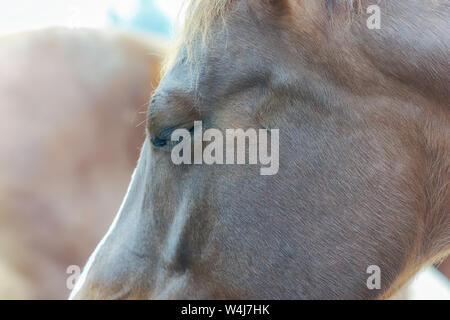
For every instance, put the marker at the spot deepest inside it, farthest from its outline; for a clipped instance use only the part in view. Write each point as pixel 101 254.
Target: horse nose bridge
pixel 108 276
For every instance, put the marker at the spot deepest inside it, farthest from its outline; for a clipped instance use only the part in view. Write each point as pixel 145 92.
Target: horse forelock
pixel 200 15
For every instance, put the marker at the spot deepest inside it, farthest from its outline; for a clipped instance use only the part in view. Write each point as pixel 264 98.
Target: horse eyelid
pixel 166 133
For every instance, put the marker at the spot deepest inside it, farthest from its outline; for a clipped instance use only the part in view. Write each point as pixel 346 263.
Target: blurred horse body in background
pixel 69 139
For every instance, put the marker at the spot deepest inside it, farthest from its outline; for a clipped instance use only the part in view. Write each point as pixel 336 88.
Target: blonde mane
pixel 200 14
